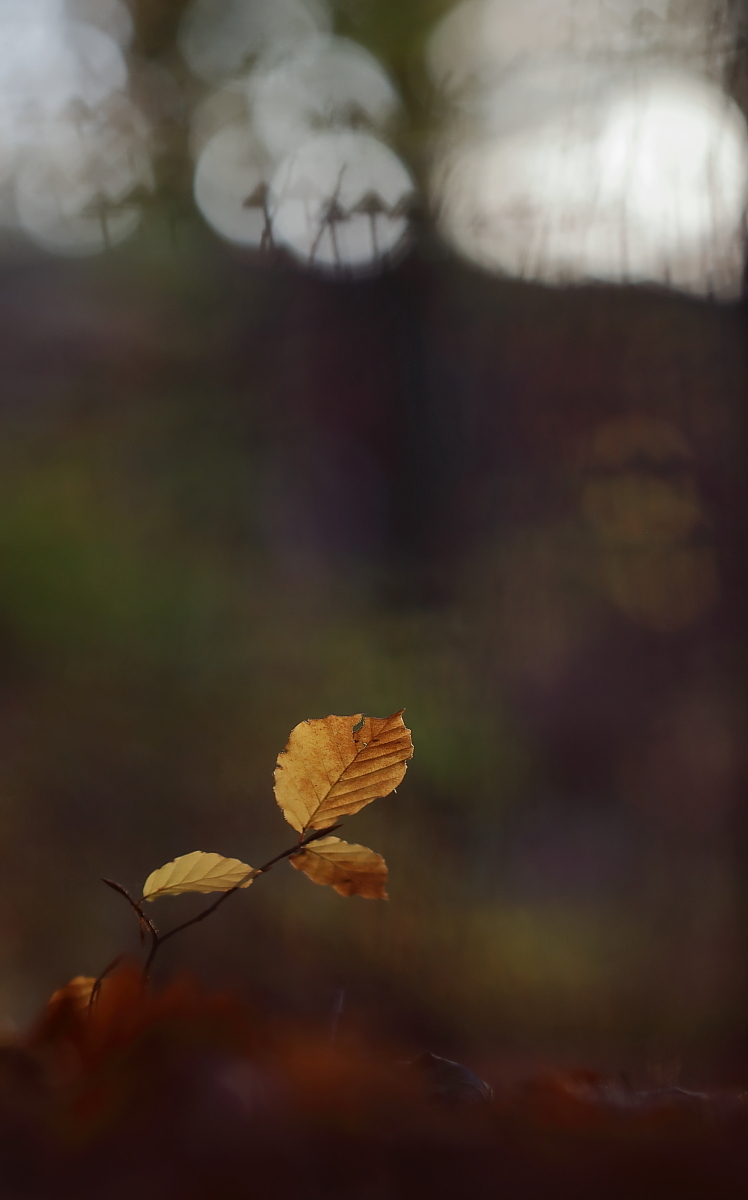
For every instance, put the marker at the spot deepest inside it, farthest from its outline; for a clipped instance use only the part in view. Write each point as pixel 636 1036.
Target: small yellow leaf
pixel 350 870
pixel 334 766
pixel 197 872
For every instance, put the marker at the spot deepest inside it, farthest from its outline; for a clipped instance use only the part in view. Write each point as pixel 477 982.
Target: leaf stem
pixel 144 921
pixel 97 985
pixel 158 939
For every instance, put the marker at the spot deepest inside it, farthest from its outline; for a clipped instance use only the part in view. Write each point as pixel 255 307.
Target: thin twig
pixel 144 921
pixel 158 939
pixel 164 937
pixel 134 904
pixel 97 985
pixel 326 220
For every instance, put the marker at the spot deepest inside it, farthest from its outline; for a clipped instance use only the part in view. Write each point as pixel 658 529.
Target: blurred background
pixel 368 355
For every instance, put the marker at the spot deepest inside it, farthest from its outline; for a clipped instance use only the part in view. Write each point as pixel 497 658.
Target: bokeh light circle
pixel 340 202
pixel 650 186
pixel 221 38
pixel 331 83
pixel 231 180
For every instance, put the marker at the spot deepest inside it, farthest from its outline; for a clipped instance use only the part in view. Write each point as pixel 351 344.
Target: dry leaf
pixel 76 994
pixel 332 767
pixel 350 870
pixel 197 872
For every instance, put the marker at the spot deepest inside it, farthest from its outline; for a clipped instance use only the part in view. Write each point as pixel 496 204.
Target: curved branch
pixel 158 939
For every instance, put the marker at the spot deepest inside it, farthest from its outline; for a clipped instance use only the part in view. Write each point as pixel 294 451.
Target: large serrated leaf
pixel 197 872
pixel 351 870
pixel 334 766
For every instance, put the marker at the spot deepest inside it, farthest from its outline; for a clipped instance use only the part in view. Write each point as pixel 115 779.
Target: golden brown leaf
pixel 76 994
pixel 197 872
pixel 334 766
pixel 351 870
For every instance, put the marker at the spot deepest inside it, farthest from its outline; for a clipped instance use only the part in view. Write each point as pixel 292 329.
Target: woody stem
pixel 158 939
